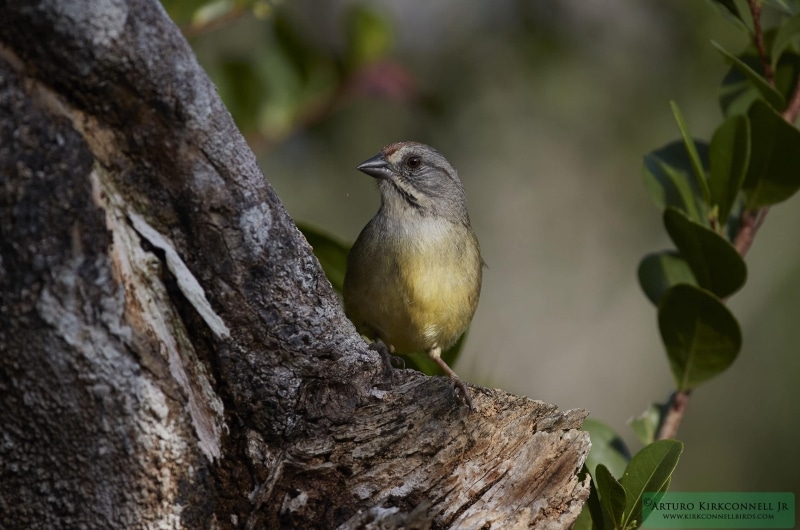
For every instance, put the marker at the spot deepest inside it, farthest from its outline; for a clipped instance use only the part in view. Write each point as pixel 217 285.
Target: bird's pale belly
pixel 430 307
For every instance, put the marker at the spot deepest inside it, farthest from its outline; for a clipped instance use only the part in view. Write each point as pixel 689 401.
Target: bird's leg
pixel 435 354
pixel 386 353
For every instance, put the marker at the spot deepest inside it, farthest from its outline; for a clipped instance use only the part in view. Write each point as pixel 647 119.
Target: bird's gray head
pixel 416 177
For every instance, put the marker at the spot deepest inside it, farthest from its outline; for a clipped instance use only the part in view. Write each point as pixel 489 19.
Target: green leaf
pixel 715 263
pixel 584 520
pixel 670 181
pixel 767 91
pixel 788 33
pixel 728 158
pixel 773 174
pixel 661 270
pixel 737 93
pixel 698 166
pixel 294 47
pixel 182 11
pixel 211 11
pixel 730 6
pixel 612 497
pixel 649 471
pixel 700 334
pixel 592 506
pixel 787 72
pixel 607 448
pixel 788 7
pixel 241 88
pixel 369 35
pixel 646 425
pixel 731 12
pixel 332 254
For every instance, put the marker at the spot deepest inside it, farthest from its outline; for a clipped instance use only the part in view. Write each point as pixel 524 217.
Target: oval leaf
pixel 698 166
pixel 728 157
pixel 584 520
pixel 767 91
pixel 607 448
pixel 612 497
pixel 787 71
pixel 660 271
pixel 649 471
pixel 788 32
pixel 737 93
pixel 788 7
pixel 773 174
pixel 700 334
pixel 670 181
pixel 646 425
pixel 716 264
pixel 591 516
pixel 729 9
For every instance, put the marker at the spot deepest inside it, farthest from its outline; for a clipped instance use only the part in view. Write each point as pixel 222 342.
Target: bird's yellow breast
pixel 414 287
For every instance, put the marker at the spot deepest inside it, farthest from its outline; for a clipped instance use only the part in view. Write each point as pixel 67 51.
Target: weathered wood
pixel 171 354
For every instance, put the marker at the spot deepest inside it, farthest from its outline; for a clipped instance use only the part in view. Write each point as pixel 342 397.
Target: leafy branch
pixel 743 160
pixel 715 195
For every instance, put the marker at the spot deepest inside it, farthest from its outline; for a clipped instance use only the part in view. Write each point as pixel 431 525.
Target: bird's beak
pixel 377 167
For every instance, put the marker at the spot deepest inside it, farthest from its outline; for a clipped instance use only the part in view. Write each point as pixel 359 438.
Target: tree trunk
pixel 171 354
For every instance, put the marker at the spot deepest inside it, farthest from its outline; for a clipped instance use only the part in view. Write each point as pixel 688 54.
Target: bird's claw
pixel 389 360
pixel 461 386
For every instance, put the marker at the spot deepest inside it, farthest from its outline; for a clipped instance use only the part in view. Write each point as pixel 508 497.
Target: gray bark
pixel 172 356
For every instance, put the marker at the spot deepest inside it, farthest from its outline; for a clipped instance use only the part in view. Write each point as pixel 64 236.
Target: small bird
pixel 414 274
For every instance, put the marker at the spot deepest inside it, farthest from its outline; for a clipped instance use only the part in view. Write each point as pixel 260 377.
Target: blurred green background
pixel 546 109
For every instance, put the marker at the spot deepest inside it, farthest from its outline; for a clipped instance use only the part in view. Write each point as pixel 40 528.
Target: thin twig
pixel 750 223
pixel 673 417
pixel 793 109
pixel 758 37
pixel 197 29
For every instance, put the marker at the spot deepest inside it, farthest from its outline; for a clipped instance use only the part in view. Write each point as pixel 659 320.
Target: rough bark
pixel 171 354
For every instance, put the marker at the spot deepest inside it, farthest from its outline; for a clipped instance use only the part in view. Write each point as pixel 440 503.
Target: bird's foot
pixel 390 362
pixel 435 354
pixel 461 387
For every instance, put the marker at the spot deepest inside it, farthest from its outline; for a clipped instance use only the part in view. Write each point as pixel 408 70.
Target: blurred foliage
pixel 331 253
pixel 293 82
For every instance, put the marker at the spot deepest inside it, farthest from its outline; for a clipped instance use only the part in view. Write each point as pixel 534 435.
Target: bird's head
pixel 416 177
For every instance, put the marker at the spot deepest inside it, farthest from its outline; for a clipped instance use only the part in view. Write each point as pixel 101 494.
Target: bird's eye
pixel 413 162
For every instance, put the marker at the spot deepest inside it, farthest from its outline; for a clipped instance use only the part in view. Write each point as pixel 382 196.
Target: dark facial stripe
pixel 409 198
